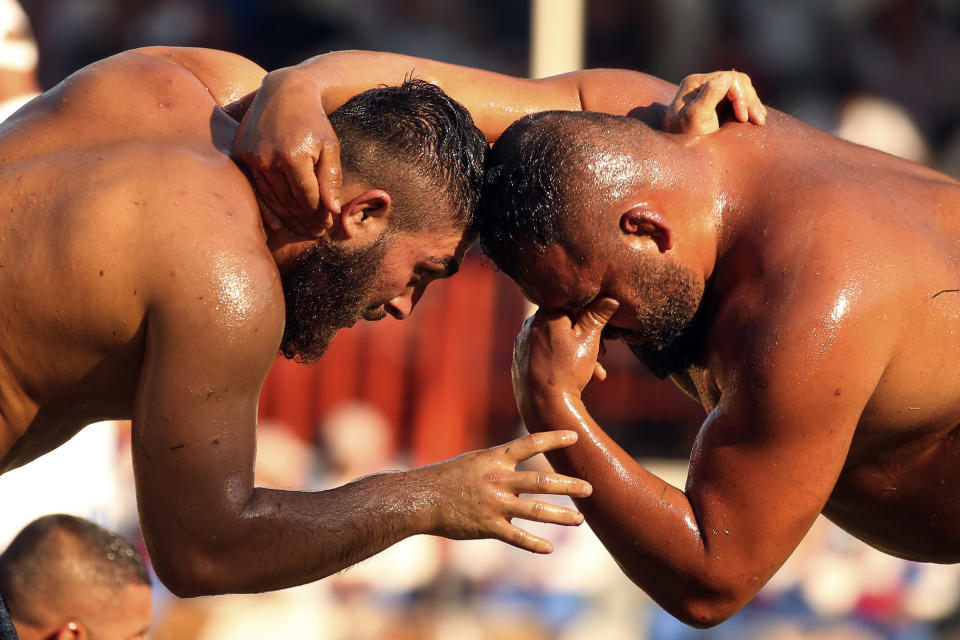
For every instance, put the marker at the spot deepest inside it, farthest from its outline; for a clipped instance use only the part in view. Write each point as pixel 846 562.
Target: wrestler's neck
pixel 721 177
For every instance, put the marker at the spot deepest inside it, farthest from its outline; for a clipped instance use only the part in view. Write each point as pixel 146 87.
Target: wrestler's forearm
pixel 286 538
pixel 279 539
pixel 647 524
pixel 494 100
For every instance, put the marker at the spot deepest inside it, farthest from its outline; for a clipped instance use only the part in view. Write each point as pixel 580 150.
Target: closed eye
pixel 436 269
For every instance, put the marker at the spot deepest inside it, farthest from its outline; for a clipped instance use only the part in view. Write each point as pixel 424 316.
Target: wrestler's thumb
pixel 597 314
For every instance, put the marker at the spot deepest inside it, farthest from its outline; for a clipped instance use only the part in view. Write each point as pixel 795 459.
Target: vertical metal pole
pixel 556 36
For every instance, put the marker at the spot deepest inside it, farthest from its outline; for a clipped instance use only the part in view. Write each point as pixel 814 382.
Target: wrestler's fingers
pixel 512 534
pixel 267 200
pixel 539 511
pixel 280 191
pixel 550 483
pixel 713 92
pixel 673 119
pixel 307 217
pixel 736 97
pixel 329 176
pixel 303 183
pixel 758 113
pixel 599 373
pixel 287 185
pixel 747 104
pixel 597 314
pixel 269 218
pixel 529 446
pixel 690 86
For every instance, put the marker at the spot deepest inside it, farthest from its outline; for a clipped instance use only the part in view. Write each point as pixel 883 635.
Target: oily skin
pixel 830 273
pixel 122 614
pixel 139 282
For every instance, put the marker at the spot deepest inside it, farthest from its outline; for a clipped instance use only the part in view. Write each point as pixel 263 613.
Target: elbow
pixel 190 574
pixel 704 613
pixel 701 603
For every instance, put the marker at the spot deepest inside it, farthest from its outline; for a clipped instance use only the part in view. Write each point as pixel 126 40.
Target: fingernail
pixel 569 436
pixel 318 233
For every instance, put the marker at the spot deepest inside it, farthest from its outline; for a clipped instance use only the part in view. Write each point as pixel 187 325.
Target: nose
pixel 401 306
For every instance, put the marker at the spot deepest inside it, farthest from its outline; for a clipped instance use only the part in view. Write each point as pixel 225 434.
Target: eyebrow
pixel 444 267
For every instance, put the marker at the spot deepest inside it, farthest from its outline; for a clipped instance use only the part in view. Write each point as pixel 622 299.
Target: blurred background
pixel 396 394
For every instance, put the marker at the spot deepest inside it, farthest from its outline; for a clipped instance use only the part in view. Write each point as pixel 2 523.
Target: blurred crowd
pixel 879 72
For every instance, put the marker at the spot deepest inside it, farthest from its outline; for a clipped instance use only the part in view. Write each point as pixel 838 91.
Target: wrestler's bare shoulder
pixel 97 236
pixel 849 285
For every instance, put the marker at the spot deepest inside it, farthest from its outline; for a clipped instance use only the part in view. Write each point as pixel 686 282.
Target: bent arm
pixel 493 99
pixel 287 145
pixel 763 466
pixel 208 528
pixel 212 332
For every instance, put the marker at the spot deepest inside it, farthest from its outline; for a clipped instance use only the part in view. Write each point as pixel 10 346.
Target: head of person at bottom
pixel 577 206
pixel 64 578
pixel 412 162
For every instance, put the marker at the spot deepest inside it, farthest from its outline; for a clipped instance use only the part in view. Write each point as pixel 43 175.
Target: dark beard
pixel 327 288
pixel 675 356
pixel 670 325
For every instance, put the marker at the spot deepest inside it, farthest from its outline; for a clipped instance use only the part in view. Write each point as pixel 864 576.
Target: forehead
pixel 557 278
pixel 431 245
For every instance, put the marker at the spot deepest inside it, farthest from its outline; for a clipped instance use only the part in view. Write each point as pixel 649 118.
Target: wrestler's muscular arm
pixel 287 145
pixel 763 466
pixel 214 320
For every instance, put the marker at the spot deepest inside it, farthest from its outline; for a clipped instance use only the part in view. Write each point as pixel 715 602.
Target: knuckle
pixel 543 481
pixel 493 478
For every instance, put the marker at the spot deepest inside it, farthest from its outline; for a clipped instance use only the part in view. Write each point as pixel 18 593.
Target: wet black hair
pixel 409 137
pixel 536 178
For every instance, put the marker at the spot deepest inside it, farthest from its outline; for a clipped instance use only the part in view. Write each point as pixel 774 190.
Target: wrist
pixel 293 79
pixel 549 410
pixel 421 498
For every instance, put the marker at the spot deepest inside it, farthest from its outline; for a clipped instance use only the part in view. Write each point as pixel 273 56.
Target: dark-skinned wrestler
pixel 138 281
pixel 804 290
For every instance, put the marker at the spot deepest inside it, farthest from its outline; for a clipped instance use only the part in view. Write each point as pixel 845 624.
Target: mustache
pixel 610 332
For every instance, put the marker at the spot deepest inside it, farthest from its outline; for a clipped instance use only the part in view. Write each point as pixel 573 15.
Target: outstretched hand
pixel 478 493
pixel 555 353
pixel 694 108
pixel 290 151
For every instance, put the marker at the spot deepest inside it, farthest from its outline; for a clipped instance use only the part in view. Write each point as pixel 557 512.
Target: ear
pixel 643 221
pixel 71 630
pixel 367 213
